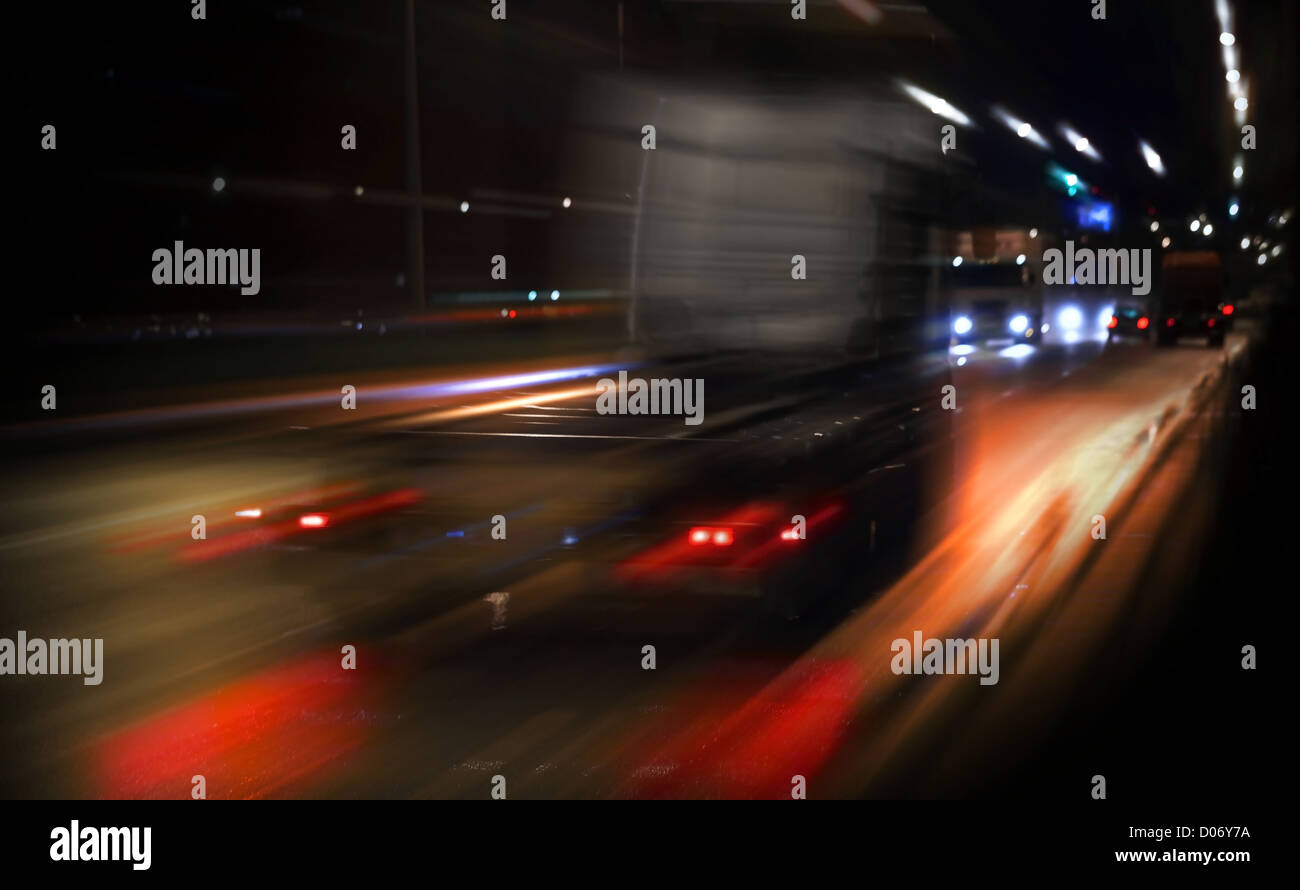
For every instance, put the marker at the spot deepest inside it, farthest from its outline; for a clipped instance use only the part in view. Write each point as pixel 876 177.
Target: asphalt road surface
pixel 524 657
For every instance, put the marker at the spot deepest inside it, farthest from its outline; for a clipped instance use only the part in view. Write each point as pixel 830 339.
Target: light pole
pixel 411 120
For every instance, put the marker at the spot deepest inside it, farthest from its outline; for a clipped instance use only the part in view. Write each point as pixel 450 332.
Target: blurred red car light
pixel 313 520
pixel 1143 322
pixel 1228 308
pixel 720 537
pixel 1114 322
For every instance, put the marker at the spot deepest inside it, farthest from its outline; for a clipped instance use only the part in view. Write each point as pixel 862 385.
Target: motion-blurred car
pixel 799 509
pixel 292 538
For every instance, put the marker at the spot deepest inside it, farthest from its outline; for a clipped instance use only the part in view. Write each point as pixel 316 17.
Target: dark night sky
pixel 151 105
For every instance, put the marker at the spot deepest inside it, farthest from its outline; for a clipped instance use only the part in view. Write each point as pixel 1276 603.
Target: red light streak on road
pixel 263 736
pixel 790 727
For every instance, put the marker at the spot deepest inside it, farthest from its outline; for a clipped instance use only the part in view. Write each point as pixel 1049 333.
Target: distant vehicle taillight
pixel 1143 322
pixel 1228 308
pixel 1169 322
pixel 1114 322
pixel 313 520
pixel 250 513
pixel 700 536
pixel 790 535
pixel 1211 322
pixel 722 537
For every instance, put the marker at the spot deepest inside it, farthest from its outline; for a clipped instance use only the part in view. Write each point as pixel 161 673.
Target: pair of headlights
pixel 1017 325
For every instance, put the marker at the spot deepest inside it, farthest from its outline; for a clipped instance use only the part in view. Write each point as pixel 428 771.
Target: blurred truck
pixel 995 288
pixel 764 220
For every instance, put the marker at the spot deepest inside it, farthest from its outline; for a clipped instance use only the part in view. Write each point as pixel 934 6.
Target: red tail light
pixel 1143 322
pixel 313 520
pixel 1211 322
pixel 719 537
pixel 1228 308
pixel 1169 322
pixel 789 535
pixel 1114 322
